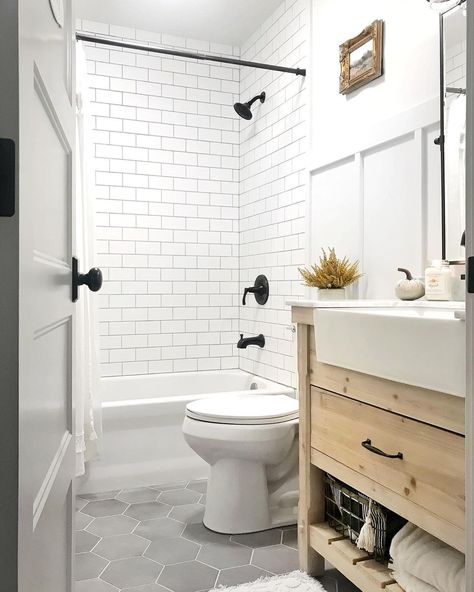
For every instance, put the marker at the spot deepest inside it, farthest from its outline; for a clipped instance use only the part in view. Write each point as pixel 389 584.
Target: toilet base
pixel 248 506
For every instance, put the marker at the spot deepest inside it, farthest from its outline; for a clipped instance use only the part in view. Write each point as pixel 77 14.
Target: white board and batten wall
pixel 374 191
pixel 380 203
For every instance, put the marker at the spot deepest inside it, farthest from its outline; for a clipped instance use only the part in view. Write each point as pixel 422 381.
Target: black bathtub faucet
pixel 244 342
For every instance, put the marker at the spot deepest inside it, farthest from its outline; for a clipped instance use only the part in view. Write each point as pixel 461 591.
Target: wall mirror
pixel 453 129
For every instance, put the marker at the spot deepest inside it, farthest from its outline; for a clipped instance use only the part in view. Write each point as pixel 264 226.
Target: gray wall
pixel 9 310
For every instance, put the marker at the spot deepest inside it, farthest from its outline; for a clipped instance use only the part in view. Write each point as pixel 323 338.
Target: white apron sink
pixel 420 344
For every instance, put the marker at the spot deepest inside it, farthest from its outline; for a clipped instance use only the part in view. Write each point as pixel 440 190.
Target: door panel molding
pixel 55 120
pixel 50 477
pixel 47 259
pixel 45 329
pixel 45 98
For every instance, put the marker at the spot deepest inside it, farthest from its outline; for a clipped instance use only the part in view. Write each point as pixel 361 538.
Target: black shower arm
pixel 252 101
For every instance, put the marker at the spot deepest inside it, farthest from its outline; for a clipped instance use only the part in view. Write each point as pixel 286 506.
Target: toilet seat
pixel 244 409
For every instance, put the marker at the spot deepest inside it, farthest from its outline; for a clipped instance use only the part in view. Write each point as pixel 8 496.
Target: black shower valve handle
pixel 252 290
pixel 260 289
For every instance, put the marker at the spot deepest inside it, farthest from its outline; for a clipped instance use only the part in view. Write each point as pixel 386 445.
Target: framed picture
pixel 361 58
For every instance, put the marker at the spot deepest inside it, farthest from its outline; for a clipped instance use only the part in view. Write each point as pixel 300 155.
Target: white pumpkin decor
pixel 409 288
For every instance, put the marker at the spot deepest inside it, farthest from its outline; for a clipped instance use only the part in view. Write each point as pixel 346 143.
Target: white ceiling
pixel 220 21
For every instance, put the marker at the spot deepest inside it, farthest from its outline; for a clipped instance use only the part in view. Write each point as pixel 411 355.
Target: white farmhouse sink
pixel 419 344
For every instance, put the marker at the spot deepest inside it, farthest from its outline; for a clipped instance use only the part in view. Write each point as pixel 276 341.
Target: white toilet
pixel 251 445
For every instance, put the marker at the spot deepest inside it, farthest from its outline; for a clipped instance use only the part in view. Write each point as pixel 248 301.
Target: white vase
pixel 331 294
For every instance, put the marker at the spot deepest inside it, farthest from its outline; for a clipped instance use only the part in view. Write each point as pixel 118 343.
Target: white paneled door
pixel 470 303
pixel 46 310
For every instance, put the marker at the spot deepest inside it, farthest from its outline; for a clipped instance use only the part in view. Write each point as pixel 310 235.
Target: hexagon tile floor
pixel 152 540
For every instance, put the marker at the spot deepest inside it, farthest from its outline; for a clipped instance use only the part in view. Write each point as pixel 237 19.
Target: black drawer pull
pixel 367 444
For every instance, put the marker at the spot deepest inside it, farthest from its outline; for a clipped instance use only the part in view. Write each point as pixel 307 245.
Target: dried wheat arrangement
pixel 331 272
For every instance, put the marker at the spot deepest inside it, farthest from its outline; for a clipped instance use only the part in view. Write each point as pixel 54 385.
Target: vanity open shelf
pixel 356 565
pixel 400 445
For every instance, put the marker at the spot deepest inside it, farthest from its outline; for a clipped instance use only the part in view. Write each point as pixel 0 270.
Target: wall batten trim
pixel 359 182
pixel 420 116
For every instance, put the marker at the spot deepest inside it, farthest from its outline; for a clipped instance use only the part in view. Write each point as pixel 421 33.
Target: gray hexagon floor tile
pixel 81 521
pixel 142 494
pixel 191 576
pixel 89 566
pixel 121 546
pixel 105 495
pixel 266 538
pixel 189 513
pixel 168 486
pixel 94 586
pixel 235 576
pixel 290 538
pixel 200 534
pixel 110 507
pixel 168 551
pixel 200 485
pixel 85 541
pixel 111 525
pixel 148 510
pixel 334 581
pixel 135 571
pixel 277 560
pixel 158 543
pixel 221 556
pixel 159 528
pixel 179 497
pixel 147 588
pixel 80 503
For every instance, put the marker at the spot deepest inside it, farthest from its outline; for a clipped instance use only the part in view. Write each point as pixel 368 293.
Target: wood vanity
pixel 340 409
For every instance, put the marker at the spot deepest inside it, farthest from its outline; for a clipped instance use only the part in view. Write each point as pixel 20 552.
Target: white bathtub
pixel 142 441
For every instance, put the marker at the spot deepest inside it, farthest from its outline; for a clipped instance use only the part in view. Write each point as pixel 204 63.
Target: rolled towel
pixel 411 584
pixel 423 556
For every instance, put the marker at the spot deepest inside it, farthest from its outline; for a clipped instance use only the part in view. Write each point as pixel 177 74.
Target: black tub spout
pixel 244 342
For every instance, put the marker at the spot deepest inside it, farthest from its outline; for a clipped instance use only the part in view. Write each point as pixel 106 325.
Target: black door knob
pixel 92 279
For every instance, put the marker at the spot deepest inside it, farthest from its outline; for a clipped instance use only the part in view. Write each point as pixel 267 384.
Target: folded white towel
pixel 411 584
pixel 419 554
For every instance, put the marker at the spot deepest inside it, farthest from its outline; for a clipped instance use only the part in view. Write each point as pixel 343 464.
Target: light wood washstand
pixel 339 409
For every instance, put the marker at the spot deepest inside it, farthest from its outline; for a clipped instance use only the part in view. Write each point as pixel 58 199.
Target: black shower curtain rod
pixel 187 54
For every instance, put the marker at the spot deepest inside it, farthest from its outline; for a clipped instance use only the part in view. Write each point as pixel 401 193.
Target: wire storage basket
pixel 347 509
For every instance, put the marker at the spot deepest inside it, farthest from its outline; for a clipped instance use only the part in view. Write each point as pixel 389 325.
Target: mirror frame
pixel 440 141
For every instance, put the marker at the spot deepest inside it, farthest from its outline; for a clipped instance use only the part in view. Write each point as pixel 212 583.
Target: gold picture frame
pixel 361 58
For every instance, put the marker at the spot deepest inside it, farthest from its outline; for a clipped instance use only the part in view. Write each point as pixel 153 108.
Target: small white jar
pixel 438 281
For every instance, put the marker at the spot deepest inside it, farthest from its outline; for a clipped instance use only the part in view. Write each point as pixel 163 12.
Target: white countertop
pixel 455 305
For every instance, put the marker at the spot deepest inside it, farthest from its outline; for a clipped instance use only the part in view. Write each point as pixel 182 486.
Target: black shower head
pixel 243 109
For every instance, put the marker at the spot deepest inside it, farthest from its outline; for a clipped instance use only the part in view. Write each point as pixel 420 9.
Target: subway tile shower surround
pixel 273 188
pixel 166 170
pixel 177 172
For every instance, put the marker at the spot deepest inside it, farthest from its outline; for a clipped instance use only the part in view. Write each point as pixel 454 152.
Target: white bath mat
pixel 296 581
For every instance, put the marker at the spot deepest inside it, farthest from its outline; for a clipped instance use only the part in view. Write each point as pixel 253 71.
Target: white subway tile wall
pixel 273 187
pixel 455 65
pixel 166 142
pixel 171 158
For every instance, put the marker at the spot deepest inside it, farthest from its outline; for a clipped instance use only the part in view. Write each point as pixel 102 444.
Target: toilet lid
pixel 244 409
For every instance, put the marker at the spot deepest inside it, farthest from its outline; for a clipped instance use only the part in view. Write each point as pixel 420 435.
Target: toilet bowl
pixel 251 445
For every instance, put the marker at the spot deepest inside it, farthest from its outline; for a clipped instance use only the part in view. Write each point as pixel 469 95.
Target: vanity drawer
pixel 431 470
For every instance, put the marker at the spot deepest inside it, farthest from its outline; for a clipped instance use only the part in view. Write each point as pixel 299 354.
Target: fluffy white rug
pixel 296 581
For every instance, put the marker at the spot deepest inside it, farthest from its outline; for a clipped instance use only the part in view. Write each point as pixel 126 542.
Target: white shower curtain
pixel 87 380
